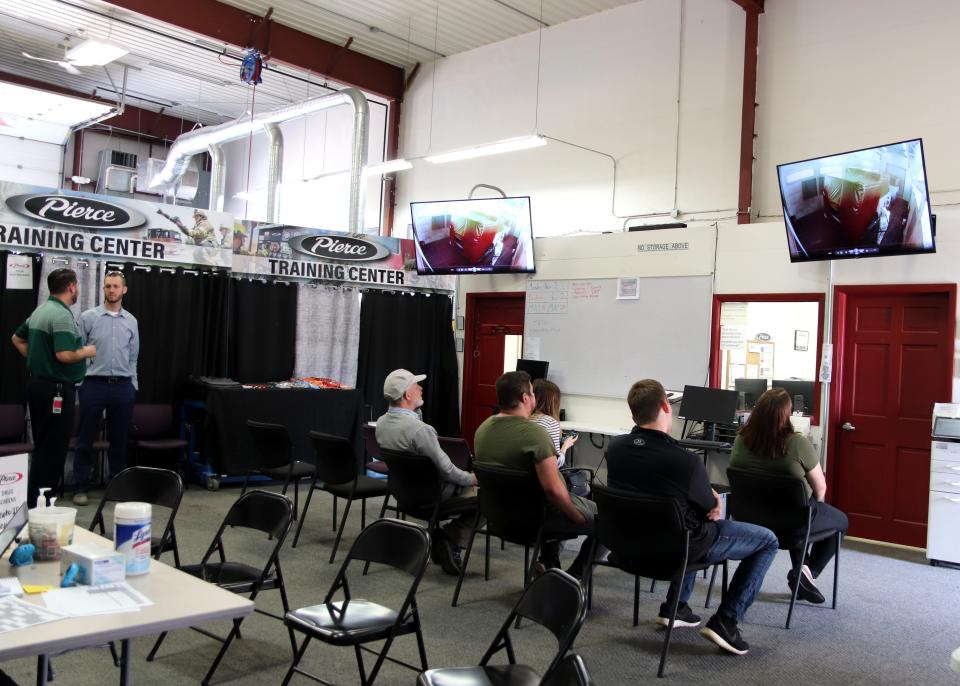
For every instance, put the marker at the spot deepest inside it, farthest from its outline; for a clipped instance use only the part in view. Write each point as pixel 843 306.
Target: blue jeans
pixel 755 546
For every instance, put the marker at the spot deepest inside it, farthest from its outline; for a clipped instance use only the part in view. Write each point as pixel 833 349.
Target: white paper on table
pixel 19 614
pixel 78 601
pixel 10 586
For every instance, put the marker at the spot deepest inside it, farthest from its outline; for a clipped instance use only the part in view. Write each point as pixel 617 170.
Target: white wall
pixel 836 76
pixel 30 162
pixel 610 82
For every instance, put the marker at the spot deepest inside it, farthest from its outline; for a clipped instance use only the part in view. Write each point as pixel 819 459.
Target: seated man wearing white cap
pixel 403 429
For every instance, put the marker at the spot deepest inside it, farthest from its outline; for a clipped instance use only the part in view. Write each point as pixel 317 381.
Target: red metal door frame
pixel 720 298
pixel 840 295
pixel 470 332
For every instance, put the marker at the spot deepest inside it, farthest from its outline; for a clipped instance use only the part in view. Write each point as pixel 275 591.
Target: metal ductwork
pixel 274 171
pixel 202 140
pixel 217 176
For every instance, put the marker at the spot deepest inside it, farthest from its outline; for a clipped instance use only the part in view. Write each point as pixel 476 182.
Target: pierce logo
pixel 8 478
pixel 69 210
pixel 345 248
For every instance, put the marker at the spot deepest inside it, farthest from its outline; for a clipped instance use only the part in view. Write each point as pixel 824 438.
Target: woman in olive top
pixel 767 442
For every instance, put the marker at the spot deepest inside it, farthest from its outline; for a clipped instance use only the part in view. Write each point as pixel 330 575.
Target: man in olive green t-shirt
pixel 50 341
pixel 510 439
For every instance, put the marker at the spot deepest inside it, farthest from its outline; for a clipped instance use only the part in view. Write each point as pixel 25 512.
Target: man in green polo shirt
pixel 50 340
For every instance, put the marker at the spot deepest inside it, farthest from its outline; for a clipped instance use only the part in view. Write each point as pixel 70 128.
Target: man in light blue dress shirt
pixel 110 384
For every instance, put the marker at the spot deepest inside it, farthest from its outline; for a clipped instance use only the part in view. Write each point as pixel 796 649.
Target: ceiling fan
pixel 90 53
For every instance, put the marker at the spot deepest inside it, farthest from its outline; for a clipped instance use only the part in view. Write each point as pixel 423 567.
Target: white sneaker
pixel 80 499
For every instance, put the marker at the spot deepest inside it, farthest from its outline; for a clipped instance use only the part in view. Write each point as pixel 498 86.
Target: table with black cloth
pixel 228 446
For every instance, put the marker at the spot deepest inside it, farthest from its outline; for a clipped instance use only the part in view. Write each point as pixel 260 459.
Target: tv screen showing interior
pixel 864 203
pixel 488 235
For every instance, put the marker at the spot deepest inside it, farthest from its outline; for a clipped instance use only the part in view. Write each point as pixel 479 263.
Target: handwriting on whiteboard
pixel 547 297
pixel 585 290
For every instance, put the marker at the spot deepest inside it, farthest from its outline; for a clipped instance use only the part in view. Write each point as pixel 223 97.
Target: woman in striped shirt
pixel 547 415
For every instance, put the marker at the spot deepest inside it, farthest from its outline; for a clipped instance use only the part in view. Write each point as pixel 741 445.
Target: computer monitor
pixel 537 369
pixel 714 405
pixel 752 389
pixel 795 387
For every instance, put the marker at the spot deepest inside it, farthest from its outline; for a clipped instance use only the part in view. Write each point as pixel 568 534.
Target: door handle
pixel 847 426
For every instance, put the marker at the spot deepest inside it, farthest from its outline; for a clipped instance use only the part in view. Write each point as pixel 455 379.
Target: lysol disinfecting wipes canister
pixel 131 535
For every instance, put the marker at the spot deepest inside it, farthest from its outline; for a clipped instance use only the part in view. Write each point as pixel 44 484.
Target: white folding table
pixel 179 601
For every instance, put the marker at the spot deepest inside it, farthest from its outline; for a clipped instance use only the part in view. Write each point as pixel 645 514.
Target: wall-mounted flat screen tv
pixel 864 203
pixel 488 235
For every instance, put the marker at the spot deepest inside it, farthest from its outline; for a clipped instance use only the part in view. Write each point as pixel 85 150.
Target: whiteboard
pixel 599 345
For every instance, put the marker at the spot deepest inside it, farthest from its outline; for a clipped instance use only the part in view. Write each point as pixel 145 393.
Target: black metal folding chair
pixel 655 543
pixel 514 506
pixel 337 473
pixel 556 601
pixel 269 513
pixel 779 503
pixel 342 620
pixel 160 487
pixel 277 461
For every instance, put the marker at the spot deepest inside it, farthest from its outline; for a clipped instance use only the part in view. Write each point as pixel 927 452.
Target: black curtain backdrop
pixel 217 308
pixel 175 312
pixel 264 334
pixel 15 307
pixel 412 332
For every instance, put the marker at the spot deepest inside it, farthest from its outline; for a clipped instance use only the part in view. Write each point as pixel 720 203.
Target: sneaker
pixel 449 554
pixel 725 634
pixel 685 616
pixel 808 590
pixel 80 499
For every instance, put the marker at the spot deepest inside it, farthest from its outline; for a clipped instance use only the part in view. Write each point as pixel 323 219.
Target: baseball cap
pixel 397 383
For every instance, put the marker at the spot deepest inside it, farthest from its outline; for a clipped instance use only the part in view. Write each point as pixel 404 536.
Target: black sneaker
pixel 685 616
pixel 724 633
pixel 808 590
pixel 449 554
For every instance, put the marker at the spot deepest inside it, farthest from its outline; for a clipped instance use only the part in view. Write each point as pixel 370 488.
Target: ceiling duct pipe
pixel 217 175
pixel 274 171
pixel 200 140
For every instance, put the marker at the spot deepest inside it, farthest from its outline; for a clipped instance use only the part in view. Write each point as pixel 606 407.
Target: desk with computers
pixel 712 416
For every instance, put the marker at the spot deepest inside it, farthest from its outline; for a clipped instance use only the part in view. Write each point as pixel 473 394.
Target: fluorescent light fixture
pixel 94 53
pixel 509 145
pixel 387 167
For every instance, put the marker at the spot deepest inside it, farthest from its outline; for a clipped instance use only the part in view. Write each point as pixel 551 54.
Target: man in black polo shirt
pixel 648 460
pixel 50 340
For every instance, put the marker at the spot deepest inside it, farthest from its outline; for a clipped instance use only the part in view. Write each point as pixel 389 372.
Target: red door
pixel 896 345
pixel 490 317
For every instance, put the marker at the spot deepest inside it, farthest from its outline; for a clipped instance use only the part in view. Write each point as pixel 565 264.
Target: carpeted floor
pixel 897 622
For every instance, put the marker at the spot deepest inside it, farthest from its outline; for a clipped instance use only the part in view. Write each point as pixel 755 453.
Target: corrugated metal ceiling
pixel 182 74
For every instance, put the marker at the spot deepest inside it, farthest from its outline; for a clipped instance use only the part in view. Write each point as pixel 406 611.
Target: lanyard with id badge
pixel 58 400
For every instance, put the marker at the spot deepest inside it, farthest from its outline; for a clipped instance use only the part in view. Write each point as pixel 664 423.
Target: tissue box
pixel 97 565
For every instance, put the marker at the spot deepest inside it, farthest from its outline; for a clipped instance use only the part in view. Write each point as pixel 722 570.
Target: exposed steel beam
pixel 149 123
pixel 390 181
pixel 751 5
pixel 285 44
pixel 748 116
